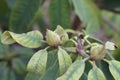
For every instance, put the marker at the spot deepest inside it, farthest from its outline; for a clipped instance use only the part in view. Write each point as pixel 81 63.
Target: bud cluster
pixel 57 37
pixel 98 51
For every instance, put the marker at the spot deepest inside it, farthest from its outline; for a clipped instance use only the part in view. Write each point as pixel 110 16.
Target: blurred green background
pixel 100 18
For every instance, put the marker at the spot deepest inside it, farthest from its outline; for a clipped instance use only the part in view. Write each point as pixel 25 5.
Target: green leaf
pixel 38 19
pixel 88 12
pixel 31 39
pixel 93 39
pixel 114 67
pixel 32 76
pixel 64 60
pixel 71 49
pixel 4 7
pixel 37 63
pixel 6 73
pixel 105 68
pixel 11 3
pixel 22 14
pixel 84 76
pixel 19 66
pixel 25 53
pixel 52 69
pixel 11 75
pixel 4 13
pixel 3 69
pixel 111 4
pixel 59 13
pixel 86 71
pixel 96 74
pixel 3 48
pixel 61 32
pixel 69 43
pixel 74 72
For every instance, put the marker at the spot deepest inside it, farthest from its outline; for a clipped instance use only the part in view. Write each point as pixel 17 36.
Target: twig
pixel 106 60
pixel 112 25
pixel 68 50
pixel 80 48
pixel 85 59
pixel 82 52
pixel 110 55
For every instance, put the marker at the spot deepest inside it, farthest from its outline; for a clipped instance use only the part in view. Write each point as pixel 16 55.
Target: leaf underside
pixel 74 72
pixel 96 74
pixel 64 60
pixel 31 39
pixel 37 63
pixel 114 67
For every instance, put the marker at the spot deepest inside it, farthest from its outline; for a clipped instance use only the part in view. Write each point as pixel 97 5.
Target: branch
pixel 80 48
pixel 81 51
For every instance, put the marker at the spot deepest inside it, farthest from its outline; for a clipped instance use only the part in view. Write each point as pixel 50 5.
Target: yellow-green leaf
pixel 61 32
pixel 52 69
pixel 64 60
pixel 37 63
pixel 96 74
pixel 7 38
pixel 74 72
pixel 31 39
pixel 114 67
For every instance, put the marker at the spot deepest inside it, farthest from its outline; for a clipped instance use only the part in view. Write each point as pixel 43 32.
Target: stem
pixel 85 59
pixel 80 48
pixel 68 50
pixel 70 31
pixel 106 60
pixel 87 40
pixel 73 41
pixel 47 47
pixel 88 46
pixel 93 63
pixel 109 54
pixel 83 54
pixel 83 42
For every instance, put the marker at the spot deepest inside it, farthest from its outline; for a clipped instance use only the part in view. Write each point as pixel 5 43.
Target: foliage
pixel 62 54
pixel 13 61
pixel 68 70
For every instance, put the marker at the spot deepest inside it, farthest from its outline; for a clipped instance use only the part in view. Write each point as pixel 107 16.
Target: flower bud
pixel 97 52
pixel 61 32
pixel 52 38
